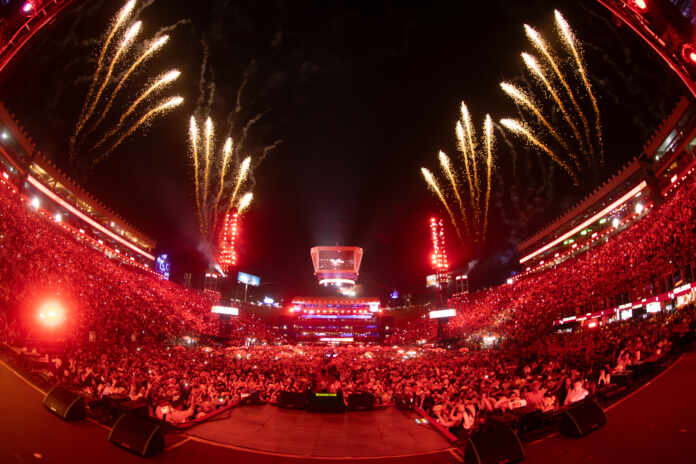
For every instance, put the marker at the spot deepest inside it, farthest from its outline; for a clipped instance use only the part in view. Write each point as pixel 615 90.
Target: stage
pixel 657 423
pixel 385 432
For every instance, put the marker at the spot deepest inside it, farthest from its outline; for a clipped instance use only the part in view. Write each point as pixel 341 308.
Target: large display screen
pixel 336 260
pixel 248 279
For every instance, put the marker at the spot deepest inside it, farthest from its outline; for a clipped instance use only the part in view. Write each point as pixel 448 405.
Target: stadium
pixel 251 257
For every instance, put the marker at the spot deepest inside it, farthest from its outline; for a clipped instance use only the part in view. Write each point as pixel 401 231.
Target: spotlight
pixel 641 6
pixel 615 222
pixel 52 313
pixel 35 203
pixel 639 208
pixel 5 135
pixel 58 217
pixel 28 8
pixel 688 53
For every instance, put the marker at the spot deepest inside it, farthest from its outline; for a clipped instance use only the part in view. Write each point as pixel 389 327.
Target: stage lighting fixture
pixel 641 6
pixel 639 208
pixel 35 203
pixel 5 135
pixel 28 8
pixel 688 53
pixel 52 313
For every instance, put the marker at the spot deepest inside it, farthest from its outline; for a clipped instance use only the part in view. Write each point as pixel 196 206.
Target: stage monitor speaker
pixel 292 400
pixel 495 444
pixel 582 418
pixel 65 404
pixel 361 401
pixel 137 434
pixel 326 402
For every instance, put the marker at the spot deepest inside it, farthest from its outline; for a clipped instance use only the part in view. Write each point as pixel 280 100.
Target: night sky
pixel 362 94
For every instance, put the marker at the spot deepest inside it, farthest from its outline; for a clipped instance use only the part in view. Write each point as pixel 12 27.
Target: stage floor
pixel 386 432
pixel 655 424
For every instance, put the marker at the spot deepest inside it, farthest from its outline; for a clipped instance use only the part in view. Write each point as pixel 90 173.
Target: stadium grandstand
pixel 594 336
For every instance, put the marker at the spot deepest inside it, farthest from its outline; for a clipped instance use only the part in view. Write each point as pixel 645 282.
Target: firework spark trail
pixel 520 97
pixel 445 163
pixel 244 202
pixel 569 39
pixel 226 156
pixel 533 66
pixel 469 131
pixel 432 183
pixel 243 172
pixel 166 106
pixel 540 45
pixel 160 83
pixel 201 79
pixel 461 145
pixel 193 137
pixel 488 137
pixel 209 134
pixel 127 40
pixel 156 45
pixel 123 15
pixel 517 128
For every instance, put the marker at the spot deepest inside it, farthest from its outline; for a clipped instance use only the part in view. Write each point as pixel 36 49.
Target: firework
pixel 488 137
pixel 156 45
pixel 131 33
pixel 241 177
pixel 209 134
pixel 469 131
pixel 520 97
pixel 540 45
pixel 445 163
pixel 432 183
pixel 117 23
pixel 226 157
pixel 160 83
pixel 517 128
pixel 164 107
pixel 533 66
pixel 193 137
pixel 462 145
pixel 569 39
pixel 244 202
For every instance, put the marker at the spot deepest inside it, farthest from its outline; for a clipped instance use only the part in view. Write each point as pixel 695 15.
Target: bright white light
pixel 58 217
pixel 442 313
pixel 509 281
pixel 615 222
pixel 28 6
pixel 639 208
pixel 35 203
pixel 5 175
pixel 268 300
pixel 226 310
pixel 5 135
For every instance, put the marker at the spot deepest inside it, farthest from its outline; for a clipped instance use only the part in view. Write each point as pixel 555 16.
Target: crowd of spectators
pixel 133 335
pixel 631 265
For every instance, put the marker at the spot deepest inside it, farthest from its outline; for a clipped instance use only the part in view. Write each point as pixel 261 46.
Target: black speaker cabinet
pixel 326 402
pixel 495 444
pixel 582 418
pixel 292 400
pixel 361 401
pixel 137 434
pixel 65 404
